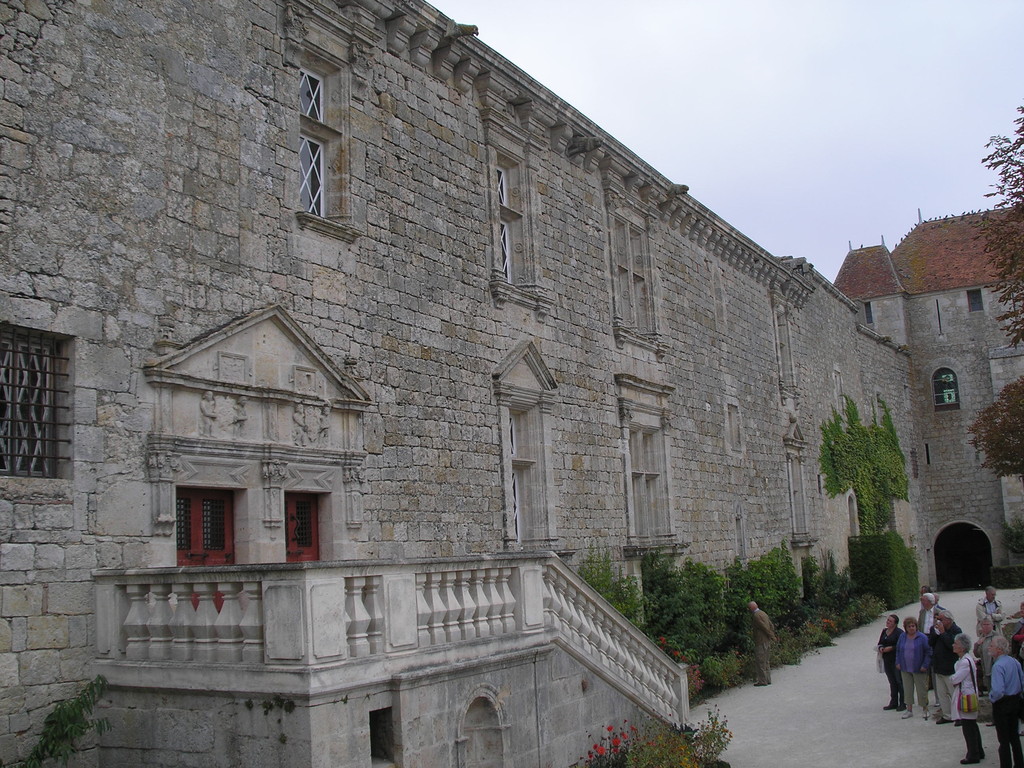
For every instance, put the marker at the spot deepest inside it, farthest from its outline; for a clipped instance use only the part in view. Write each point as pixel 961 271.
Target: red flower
pixel 600 749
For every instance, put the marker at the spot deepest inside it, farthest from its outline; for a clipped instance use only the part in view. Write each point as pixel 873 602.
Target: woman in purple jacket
pixel 913 658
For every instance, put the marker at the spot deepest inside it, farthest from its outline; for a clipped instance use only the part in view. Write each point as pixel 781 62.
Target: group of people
pixel 933 652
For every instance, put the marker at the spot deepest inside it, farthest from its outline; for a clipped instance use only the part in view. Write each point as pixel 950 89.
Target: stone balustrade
pixel 321 618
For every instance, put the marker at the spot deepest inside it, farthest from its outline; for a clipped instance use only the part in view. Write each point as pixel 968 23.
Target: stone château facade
pixel 323 326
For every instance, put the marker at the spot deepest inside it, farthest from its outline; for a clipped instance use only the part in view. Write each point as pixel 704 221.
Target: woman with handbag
pixel 965 699
pixel 887 642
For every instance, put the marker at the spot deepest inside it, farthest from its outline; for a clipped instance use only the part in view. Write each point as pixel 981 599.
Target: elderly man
pixel 926 616
pixel 990 607
pixel 944 659
pixel 983 653
pixel 1007 684
pixel 764 634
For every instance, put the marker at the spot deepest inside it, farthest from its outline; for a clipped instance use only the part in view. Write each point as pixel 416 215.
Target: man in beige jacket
pixel 764 634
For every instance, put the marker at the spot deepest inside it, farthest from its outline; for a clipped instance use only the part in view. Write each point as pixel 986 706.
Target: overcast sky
pixel 806 124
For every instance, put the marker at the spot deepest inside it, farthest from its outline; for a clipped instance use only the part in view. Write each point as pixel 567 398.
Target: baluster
pixel 204 630
pixel 252 622
pixel 468 613
pixel 423 609
pixel 436 609
pixel 451 606
pixel 228 624
pixel 508 601
pixel 358 618
pixel 136 627
pixel 476 588
pixel 493 601
pixel 182 622
pixel 159 623
pixel 375 610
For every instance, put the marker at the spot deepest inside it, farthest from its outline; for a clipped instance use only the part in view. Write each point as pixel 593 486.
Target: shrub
pixel 862 610
pixel 770 580
pixel 623 592
pixel 882 565
pixel 826 590
pixel 1007 576
pixel 684 605
pixel 789 648
pixel 711 738
pixel 723 670
pixel 661 746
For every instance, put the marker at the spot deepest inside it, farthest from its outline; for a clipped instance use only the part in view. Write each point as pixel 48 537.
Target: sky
pixel 808 125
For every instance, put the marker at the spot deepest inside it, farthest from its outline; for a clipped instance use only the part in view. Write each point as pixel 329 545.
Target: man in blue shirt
pixel 1007 683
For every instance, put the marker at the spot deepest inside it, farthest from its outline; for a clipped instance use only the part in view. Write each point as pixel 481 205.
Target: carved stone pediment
pixel 258 379
pixel 523 379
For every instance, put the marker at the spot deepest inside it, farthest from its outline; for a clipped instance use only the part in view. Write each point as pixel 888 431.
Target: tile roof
pixel 944 254
pixel 867 273
pixel 939 255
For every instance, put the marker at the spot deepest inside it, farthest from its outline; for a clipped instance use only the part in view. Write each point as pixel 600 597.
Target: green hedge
pixel 1007 576
pixel 882 565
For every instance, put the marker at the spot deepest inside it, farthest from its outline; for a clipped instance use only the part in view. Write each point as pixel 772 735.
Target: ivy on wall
pixel 866 458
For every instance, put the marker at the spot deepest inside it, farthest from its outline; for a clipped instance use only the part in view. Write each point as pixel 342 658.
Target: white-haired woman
pixel 965 699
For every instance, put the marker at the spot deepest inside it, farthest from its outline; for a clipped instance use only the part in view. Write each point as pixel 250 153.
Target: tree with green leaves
pixel 999 432
pixel 867 459
pixel 1004 229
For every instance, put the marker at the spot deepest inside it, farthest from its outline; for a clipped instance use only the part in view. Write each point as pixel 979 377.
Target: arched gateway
pixel 963 557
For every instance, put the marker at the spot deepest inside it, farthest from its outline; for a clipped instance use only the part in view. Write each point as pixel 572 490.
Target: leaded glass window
pixel 510 227
pixel 945 390
pixel 311 166
pixel 311 100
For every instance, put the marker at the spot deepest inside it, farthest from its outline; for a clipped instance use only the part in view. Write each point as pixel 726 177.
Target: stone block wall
pixel 948 335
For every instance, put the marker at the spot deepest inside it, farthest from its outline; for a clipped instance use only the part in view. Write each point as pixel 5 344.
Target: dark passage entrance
pixel 963 556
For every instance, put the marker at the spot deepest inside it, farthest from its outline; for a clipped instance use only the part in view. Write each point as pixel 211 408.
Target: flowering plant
pixel 609 751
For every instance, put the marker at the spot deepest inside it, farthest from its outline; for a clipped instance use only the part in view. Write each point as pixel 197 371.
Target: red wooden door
pixel 302 527
pixel 205 527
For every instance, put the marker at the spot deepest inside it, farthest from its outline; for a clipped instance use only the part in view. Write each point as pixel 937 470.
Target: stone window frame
pixel 838 390
pixel 515 275
pixel 35 403
pixel 740 531
pixel 945 375
pixel 326 129
pixel 630 263
pixel 525 413
pixel 644 423
pixel 975 300
pixel 782 315
pixel 869 314
pixel 732 413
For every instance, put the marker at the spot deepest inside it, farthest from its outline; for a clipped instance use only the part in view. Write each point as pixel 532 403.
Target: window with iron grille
pixel 34 396
pixel 204 530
